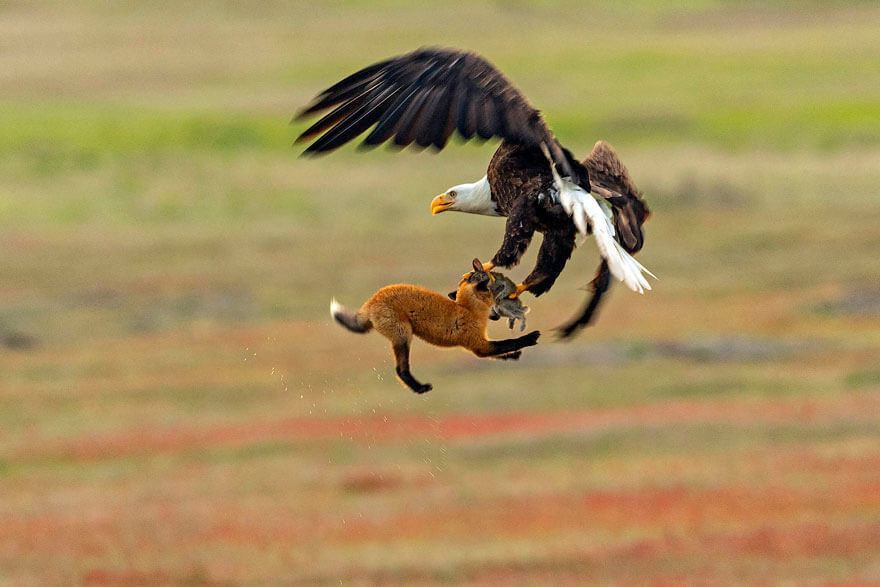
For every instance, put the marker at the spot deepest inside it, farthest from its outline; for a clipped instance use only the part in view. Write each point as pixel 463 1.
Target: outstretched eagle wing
pixel 423 97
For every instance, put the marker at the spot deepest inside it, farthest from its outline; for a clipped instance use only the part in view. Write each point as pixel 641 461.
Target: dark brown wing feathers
pixel 611 171
pixel 610 179
pixel 423 97
pixel 429 79
pixel 349 87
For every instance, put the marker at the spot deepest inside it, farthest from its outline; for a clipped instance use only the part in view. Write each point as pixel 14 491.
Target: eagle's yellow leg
pixel 519 290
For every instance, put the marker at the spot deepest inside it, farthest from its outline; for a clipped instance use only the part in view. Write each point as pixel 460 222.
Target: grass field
pixel 176 406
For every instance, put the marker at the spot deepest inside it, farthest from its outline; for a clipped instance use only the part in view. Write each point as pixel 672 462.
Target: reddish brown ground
pixel 791 511
pixel 457 427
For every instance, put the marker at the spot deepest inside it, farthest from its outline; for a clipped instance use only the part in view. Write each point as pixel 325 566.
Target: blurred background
pixel 177 407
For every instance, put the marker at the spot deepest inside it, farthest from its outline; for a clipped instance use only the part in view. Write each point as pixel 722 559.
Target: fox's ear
pixel 477 265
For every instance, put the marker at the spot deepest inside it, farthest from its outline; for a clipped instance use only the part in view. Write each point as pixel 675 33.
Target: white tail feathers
pixel 584 208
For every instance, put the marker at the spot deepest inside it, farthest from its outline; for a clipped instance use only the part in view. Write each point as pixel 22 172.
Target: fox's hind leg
pixel 401 356
pixel 400 335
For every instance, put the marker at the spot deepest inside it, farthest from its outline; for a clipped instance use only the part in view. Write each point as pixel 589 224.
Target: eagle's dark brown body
pixel 524 191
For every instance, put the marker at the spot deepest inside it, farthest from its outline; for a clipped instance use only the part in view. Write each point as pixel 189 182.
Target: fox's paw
pixel 424 388
pixel 531 338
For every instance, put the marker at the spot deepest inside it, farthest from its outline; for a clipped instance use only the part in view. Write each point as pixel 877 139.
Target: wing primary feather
pixel 410 120
pixel 436 111
pixel 465 125
pixel 432 124
pixel 354 124
pixel 331 100
pixel 331 118
pixel 444 120
pixel 388 123
pixel 391 121
pixel 441 117
pixel 500 117
pixel 487 121
pixel 412 117
pixel 343 89
pixel 386 127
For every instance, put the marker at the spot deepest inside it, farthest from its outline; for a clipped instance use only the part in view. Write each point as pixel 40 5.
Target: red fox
pixel 398 312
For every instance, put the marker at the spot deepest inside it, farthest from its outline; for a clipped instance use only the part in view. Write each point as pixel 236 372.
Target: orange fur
pixel 399 312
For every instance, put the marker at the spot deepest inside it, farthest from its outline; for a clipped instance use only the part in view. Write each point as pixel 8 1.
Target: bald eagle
pixel 423 97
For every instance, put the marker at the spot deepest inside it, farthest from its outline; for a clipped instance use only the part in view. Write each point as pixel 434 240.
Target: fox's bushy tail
pixel 354 321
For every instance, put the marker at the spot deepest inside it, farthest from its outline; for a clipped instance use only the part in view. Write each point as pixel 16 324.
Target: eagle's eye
pixel 451 193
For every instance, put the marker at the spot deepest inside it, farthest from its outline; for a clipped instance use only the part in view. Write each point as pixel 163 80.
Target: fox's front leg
pixel 492 348
pixel 508 357
pixel 401 357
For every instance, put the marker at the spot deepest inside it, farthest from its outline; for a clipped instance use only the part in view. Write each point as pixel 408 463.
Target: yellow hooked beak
pixel 441 203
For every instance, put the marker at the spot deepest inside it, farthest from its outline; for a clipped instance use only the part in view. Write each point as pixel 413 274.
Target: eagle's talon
pixel 519 290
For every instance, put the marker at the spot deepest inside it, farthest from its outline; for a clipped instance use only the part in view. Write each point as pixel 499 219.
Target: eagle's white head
pixel 474 198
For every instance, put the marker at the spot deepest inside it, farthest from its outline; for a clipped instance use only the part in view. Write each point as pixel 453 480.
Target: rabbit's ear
pixel 477 265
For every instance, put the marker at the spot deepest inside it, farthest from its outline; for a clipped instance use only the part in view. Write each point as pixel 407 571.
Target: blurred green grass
pixel 168 260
